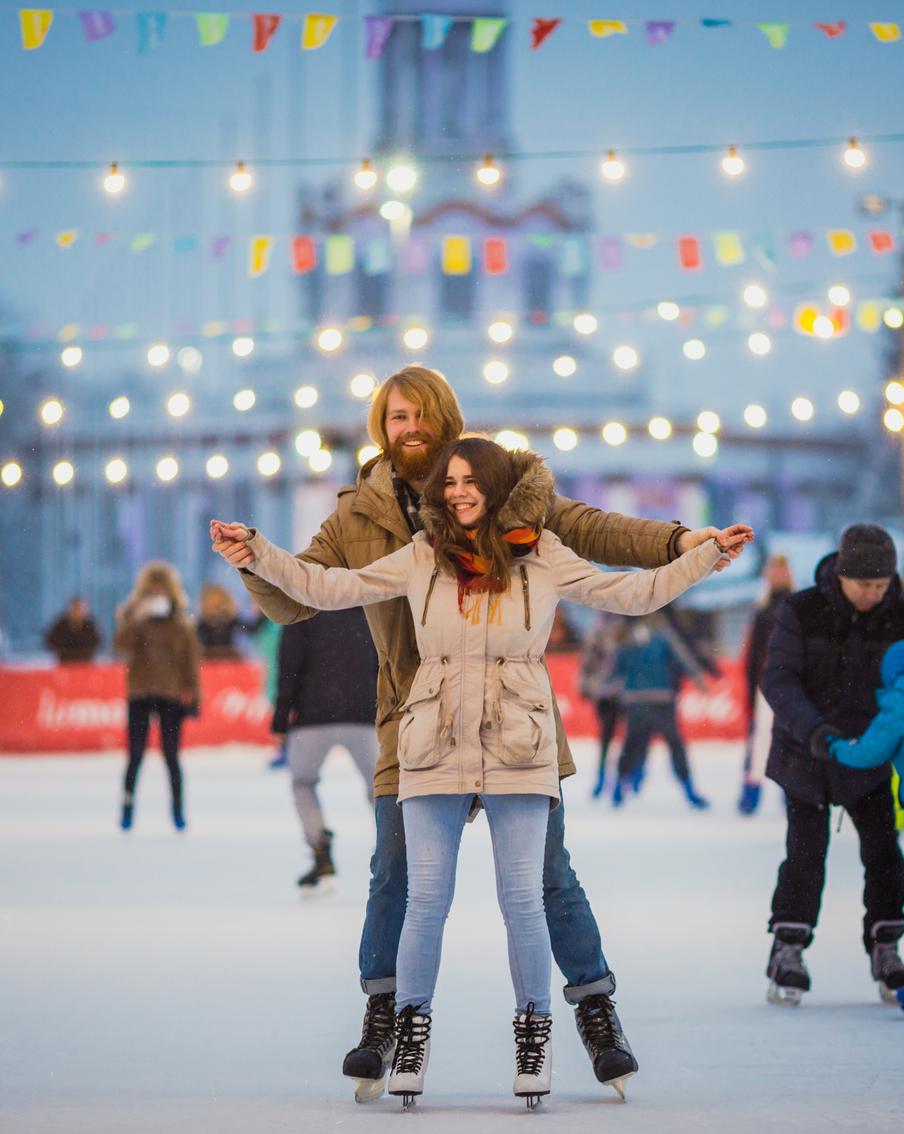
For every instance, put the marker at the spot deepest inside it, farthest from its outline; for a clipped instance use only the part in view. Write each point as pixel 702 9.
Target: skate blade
pixel 409 1100
pixel 324 886
pixel 888 995
pixel 619 1084
pixel 779 994
pixel 369 1090
pixel 531 1098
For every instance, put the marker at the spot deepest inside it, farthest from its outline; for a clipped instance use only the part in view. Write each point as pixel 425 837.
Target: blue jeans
pixel 433 826
pixel 573 932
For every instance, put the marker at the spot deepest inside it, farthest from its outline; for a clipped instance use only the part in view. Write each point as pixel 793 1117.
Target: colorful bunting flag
pixel 833 31
pixel 102 238
pixel 689 256
pixel 881 241
pixel 151 26
pixel 377 30
pixel 715 316
pixel 611 253
pixel 456 255
pixel 777 34
pixel 495 256
pixel 840 320
pixel 434 29
pixel 339 254
pixel 304 255
pixel 541 30
pixel 642 240
pixel 142 241
pixel 316 30
pixel 658 31
pixel 602 28
pixel 764 250
pixel 800 244
pixel 212 27
pixel 573 257
pixel 805 316
pixel 417 256
pixel 869 315
pixel 34 24
pixel 259 250
pixel 886 33
pixel 184 244
pixel 263 30
pixel 97 25
pixel 26 237
pixel 377 256
pixel 485 31
pixel 728 249
pixel 67 238
pixel 218 247
pixel 716 23
pixel 842 241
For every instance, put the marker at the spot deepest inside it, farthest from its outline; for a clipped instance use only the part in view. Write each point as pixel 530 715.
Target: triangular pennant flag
pixel 642 240
pixel 800 244
pixel 263 26
pixel 218 247
pixel 777 34
pixel 434 30
pixel 805 316
pixel 728 248
pixel 142 240
pixel 573 257
pixel 840 320
pixel 259 251
pixel 495 256
pixel 764 250
pixel 212 26
pixel 456 255
pixel 881 241
pixel 833 31
pixel 611 253
pixel 541 30
pixel 689 256
pixel 886 33
pixel 150 31
pixel 658 31
pixel 339 255
pixel 34 23
pixel 97 25
pixel 417 256
pixel 316 30
pixel 602 28
pixel 67 238
pixel 842 241
pixel 716 23
pixel 304 255
pixel 377 30
pixel 377 256
pixel 485 31
pixel 869 315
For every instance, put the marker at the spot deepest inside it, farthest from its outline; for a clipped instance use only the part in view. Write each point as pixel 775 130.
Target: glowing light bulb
pixel 320 461
pixel 63 473
pixel 307 442
pixel 625 357
pixel 119 407
pixel 242 346
pixel 217 466
pixel 51 412
pixel 802 409
pixel 854 155
pixel 612 168
pixel 115 180
pixel 755 416
pixel 402 178
pixel 564 366
pixel 708 422
pixel 511 439
pixel 362 385
pixel 893 420
pixel 501 331
pixel 306 396
pixel 565 439
pixel 733 163
pixel 893 317
pixel 496 372
pixel 849 401
pixel 116 470
pixel 668 310
pixel 659 428
pixel 158 355
pixel 11 474
pixel 415 338
pixel 367 453
pixel 759 343
pixel 705 445
pixel 694 349
pixel 268 464
pixel 488 173
pixel 894 392
pixel 178 405
pixel 365 175
pixel 240 180
pixel 585 323
pixel 614 433
pixel 71 356
pixel 190 360
pixel 755 296
pixel 244 400
pixel 823 327
pixel 839 295
pixel 167 469
pixel 329 339
pixel 393 210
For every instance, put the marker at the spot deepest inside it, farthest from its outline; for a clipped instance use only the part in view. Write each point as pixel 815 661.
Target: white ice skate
pixel 533 1056
pixel 412 1054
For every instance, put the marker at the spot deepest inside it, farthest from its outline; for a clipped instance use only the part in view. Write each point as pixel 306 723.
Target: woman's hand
pixel 230 541
pixel 731 540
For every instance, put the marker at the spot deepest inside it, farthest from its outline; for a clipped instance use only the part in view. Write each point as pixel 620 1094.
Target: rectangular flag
pixel 728 248
pixel 304 255
pixel 339 254
pixel 316 30
pixel 842 241
pixel 484 33
pixel 151 26
pixel 689 256
pixel 611 253
pixel 264 27
pixel 377 256
pixel 881 241
pixel 886 33
pixel 800 244
pixel 377 30
pixel 212 27
pixel 34 24
pixel 434 29
pixel 495 256
pixel 456 256
pixel 259 250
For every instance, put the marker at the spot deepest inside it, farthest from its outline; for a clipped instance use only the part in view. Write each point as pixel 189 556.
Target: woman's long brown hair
pixel 494 475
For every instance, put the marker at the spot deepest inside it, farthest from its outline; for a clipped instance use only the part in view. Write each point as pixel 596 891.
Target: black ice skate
pixel 601 1032
pixel 533 1056
pixel 786 969
pixel 321 878
pixel 369 1062
pixel 412 1054
pixel 886 966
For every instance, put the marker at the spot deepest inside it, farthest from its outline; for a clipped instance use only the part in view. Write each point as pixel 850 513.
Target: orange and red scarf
pixel 472 570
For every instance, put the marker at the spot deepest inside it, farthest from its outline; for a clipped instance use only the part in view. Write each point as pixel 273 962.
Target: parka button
pixel 477 783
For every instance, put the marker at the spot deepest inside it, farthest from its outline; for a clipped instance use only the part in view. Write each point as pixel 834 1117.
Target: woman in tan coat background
pixel 483 583
pixel 157 638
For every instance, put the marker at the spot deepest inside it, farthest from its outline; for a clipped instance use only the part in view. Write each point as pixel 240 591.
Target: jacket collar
pixel 375 498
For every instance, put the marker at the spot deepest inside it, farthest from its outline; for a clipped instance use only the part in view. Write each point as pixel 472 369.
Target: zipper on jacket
pixel 429 593
pixel 525 590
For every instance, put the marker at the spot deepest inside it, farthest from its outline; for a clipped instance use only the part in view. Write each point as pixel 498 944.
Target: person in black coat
pixel 820 677
pixel 326 696
pixel 74 636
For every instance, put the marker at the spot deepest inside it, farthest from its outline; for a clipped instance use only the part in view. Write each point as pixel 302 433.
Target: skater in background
pixel 74 636
pixel 599 685
pixel 267 638
pixel 821 675
pixel 479 721
pixel 326 696
pixel 650 664
pixel 219 624
pixel 157 639
pixel 414 413
pixel 779 584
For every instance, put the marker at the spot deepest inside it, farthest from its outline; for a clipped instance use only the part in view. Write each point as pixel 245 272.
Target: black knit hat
pixel 866 551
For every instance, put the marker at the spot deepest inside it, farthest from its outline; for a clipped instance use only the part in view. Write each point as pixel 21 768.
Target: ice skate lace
pixel 788 955
pixel 887 961
pixel 379 1022
pixel 412 1035
pixel 531 1035
pixel 598 1022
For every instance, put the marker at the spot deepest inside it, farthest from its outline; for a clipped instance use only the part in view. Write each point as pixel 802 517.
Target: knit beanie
pixel 866 551
pixel 893 663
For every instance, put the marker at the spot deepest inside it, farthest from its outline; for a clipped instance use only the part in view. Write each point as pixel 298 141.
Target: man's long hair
pixel 494 475
pixel 430 391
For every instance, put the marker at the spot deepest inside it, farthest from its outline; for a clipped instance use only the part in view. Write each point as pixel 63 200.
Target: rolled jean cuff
pixel 575 993
pixel 378 984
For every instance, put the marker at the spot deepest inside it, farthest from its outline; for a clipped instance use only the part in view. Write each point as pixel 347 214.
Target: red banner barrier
pixel 82 708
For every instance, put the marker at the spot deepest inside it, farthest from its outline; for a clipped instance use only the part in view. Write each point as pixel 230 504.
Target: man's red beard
pixel 414 465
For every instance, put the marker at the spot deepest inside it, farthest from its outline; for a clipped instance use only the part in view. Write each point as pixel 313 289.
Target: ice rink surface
pixel 153 982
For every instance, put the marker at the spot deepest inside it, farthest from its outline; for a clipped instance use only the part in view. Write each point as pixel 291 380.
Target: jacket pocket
pixel 524 717
pixel 423 733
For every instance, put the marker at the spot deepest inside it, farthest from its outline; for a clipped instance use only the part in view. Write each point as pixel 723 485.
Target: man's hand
pixel 730 540
pixel 820 738
pixel 230 541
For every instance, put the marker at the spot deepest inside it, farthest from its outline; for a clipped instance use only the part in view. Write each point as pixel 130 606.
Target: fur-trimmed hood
pixel 528 504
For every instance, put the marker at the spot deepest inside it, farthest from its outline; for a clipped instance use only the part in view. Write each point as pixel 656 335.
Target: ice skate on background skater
pixel 788 975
